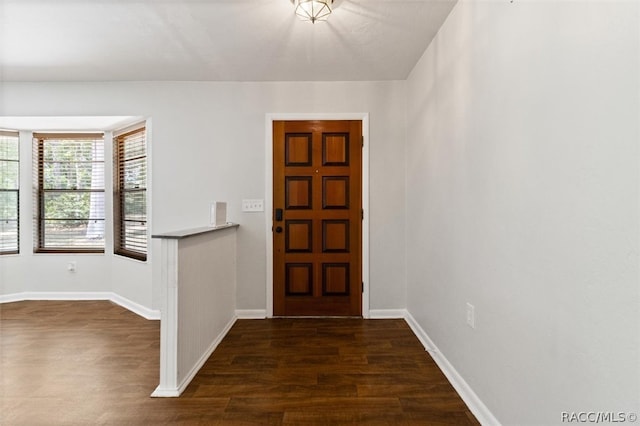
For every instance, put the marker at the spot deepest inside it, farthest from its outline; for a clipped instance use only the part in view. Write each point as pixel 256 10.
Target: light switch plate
pixel 254 205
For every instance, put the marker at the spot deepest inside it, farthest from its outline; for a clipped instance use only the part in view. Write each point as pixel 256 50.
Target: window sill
pixel 131 255
pixel 68 251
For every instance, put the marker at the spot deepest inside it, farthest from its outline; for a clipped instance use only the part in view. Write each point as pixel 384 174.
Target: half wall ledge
pixel 177 235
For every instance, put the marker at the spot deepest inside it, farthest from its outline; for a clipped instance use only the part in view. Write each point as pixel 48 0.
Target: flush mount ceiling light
pixel 313 10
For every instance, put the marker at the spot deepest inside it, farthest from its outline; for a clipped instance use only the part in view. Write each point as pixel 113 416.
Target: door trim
pixel 268 191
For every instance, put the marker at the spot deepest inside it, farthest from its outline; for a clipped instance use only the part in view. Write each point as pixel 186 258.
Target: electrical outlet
pixel 71 266
pixel 256 205
pixel 471 315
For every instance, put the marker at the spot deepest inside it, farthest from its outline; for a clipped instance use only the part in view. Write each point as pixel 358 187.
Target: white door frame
pixel 268 191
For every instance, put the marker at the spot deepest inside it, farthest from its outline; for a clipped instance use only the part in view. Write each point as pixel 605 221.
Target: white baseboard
pixel 420 333
pixel 8 298
pixel 387 313
pixel 165 393
pixel 475 404
pixel 251 313
pixel 136 308
pixel 130 305
pixel 56 295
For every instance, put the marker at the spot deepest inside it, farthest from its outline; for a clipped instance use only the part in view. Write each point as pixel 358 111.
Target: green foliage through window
pixel 70 193
pixel 9 192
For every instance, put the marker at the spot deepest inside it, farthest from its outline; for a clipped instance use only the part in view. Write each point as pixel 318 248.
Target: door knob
pixel 278 229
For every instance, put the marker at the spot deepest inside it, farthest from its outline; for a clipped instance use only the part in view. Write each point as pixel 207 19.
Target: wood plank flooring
pixel 95 363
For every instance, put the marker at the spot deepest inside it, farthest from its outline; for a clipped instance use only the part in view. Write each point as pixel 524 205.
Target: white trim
pixel 10 298
pixel 475 404
pixel 365 220
pixel 143 311
pixel 420 334
pixel 165 393
pixel 168 385
pixel 130 305
pixel 56 295
pixel 251 313
pixel 268 193
pixel 129 127
pixel 387 313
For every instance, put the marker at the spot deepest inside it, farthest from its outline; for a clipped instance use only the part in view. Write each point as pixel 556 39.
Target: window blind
pixel 130 200
pixel 9 192
pixel 70 189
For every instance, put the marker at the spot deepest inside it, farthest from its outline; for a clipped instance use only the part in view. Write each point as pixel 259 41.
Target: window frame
pixel 39 192
pixel 119 191
pixel 16 135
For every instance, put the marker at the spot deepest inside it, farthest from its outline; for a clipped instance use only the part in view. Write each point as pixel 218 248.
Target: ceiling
pixel 217 40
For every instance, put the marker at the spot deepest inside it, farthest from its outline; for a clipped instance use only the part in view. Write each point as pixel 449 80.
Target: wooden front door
pixel 317 218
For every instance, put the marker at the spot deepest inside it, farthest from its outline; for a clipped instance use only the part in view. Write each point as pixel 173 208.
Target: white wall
pixel 522 199
pixel 209 144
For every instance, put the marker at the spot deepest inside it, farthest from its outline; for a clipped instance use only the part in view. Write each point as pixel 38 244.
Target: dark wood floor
pixel 92 363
